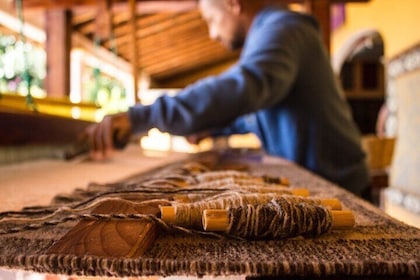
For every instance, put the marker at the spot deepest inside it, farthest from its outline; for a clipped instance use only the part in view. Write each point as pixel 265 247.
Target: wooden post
pixel 103 20
pixel 321 10
pixel 58 46
pixel 135 50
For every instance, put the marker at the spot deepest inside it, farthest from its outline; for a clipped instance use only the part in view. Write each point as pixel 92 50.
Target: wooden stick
pixel 215 220
pixel 218 219
pixel 342 219
pixel 331 203
pixel 168 213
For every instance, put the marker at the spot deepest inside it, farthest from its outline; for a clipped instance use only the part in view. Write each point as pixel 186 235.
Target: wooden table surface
pixel 37 182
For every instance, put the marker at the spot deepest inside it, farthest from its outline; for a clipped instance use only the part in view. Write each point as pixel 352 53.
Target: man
pixel 282 89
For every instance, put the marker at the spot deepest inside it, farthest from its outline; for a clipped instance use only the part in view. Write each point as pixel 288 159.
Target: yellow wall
pixel 398 21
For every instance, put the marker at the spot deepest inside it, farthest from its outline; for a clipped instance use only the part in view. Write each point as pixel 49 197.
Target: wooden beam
pixel 144 23
pixel 147 6
pixel 103 20
pixel 180 63
pixel 187 76
pixel 150 7
pixel 195 43
pixel 58 46
pixel 321 10
pixel 80 41
pixel 23 127
pixel 54 4
pixel 152 37
pixel 135 50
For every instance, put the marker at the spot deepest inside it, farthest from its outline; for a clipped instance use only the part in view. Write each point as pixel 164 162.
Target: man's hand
pixel 112 132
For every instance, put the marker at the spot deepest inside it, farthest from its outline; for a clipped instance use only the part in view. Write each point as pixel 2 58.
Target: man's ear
pixel 235 6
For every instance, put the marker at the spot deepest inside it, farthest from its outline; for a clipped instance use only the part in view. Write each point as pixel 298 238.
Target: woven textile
pixel 378 246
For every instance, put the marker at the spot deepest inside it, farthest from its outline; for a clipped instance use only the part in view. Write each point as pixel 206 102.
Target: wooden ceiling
pixel 171 40
pixel 171 37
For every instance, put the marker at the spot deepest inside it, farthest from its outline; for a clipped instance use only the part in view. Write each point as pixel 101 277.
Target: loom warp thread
pixel 278 219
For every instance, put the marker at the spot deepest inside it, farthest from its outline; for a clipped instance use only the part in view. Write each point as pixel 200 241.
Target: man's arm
pixel 240 126
pixel 262 78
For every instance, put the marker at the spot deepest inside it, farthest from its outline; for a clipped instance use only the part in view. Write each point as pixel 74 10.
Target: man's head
pixel 226 21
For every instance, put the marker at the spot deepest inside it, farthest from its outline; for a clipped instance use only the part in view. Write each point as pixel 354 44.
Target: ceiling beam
pixel 103 20
pixel 135 50
pixel 80 41
pixel 150 37
pixel 142 6
pixel 58 45
pixel 320 9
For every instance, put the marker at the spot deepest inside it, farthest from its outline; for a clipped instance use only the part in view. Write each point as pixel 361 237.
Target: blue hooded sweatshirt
pixel 283 90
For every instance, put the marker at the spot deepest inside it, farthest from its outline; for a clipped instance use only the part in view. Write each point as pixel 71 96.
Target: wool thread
pixel 190 214
pixel 214 189
pixel 278 219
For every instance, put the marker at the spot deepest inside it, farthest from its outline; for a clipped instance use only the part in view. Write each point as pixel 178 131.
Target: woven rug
pixel 377 247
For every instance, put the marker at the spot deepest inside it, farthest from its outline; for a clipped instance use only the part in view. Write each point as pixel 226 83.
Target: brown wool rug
pixel 35 239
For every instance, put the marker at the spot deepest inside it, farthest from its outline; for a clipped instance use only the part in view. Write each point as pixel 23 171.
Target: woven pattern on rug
pixel 378 246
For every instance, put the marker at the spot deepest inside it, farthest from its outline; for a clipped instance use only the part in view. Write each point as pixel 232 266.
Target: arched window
pixel 361 72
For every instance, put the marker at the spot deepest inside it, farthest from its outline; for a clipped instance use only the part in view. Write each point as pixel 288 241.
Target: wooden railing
pixel 56 121
pixel 61 107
